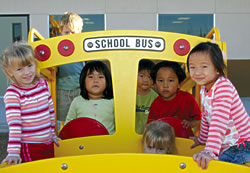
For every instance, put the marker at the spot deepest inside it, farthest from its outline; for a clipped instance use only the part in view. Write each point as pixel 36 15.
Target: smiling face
pixel 144 82
pixel 24 76
pixel 167 83
pixel 202 69
pixel 95 85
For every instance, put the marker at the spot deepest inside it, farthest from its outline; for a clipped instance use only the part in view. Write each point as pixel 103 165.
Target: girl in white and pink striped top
pixel 225 124
pixel 29 107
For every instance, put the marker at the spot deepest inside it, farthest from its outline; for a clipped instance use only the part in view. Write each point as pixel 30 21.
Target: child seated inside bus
pixel 96 97
pixel 172 102
pixel 145 94
pixel 159 138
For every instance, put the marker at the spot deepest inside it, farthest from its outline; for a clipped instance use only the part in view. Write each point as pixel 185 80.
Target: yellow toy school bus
pixel 122 151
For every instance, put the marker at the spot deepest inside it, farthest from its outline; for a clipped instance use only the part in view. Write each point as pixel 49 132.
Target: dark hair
pixel 146 64
pixel 170 64
pixel 214 52
pixel 101 68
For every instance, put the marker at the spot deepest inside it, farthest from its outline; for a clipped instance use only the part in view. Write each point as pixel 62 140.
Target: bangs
pixel 21 54
pixel 157 142
pixel 21 60
pixel 95 68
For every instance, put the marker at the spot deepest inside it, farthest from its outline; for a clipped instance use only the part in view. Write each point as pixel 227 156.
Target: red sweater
pixel 183 106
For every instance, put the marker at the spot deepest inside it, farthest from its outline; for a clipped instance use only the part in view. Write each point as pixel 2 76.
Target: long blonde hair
pixel 72 20
pixel 20 53
pixel 159 134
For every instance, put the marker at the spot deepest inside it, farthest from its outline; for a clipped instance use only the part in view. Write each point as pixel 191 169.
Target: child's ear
pixel 8 72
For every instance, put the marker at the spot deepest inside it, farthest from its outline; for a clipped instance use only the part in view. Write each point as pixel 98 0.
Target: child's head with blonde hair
pixel 14 60
pixel 70 23
pixel 159 137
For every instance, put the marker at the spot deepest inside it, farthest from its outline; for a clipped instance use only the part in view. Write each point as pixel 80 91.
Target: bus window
pixel 91 111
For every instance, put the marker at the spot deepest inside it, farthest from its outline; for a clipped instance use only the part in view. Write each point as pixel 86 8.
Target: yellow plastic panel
pixel 124 67
pixel 113 163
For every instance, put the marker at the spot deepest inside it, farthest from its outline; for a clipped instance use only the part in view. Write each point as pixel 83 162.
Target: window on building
pixel 92 22
pixel 192 24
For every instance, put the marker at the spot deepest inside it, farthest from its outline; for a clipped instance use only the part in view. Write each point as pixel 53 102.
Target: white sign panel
pixel 124 43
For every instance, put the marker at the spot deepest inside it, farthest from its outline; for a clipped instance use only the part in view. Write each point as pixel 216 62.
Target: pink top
pixel 30 115
pixel 224 122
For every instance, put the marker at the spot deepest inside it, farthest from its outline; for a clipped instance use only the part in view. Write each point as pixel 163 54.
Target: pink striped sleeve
pixel 13 116
pixel 203 131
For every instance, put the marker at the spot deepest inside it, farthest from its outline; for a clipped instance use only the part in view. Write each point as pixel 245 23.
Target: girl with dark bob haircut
pixel 96 98
pixel 100 67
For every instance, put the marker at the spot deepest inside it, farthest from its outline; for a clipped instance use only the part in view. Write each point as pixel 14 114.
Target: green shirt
pixel 101 110
pixel 143 104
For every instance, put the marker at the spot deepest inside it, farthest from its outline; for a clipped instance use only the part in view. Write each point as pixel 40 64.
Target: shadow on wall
pixel 3 123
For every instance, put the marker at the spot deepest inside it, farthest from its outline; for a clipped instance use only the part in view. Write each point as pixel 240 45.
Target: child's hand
pixel 12 159
pixel 55 140
pixel 202 159
pixel 186 124
pixel 196 142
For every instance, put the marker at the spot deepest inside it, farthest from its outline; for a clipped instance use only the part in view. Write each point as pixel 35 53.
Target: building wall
pixel 231 16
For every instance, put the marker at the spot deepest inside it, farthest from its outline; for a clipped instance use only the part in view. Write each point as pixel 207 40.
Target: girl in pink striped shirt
pixel 225 124
pixel 29 107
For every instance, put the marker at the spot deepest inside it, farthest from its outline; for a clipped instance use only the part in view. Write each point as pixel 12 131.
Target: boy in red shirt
pixel 173 102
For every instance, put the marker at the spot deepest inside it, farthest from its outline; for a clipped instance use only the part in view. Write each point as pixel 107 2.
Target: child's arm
pixel 55 140
pixel 203 158
pixel 12 159
pixel 190 124
pixel 13 117
pixel 216 130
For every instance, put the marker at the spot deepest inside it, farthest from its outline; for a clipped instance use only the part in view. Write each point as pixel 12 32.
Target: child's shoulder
pixel 224 82
pixel 11 89
pixel 42 81
pixel 153 92
pixel 185 96
pixel 184 93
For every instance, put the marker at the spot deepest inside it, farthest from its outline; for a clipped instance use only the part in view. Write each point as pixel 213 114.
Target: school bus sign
pixel 124 43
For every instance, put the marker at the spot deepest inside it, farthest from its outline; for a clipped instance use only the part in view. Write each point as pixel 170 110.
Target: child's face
pixel 95 84
pixel 24 75
pixel 151 149
pixel 167 83
pixel 144 82
pixel 66 30
pixel 202 69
